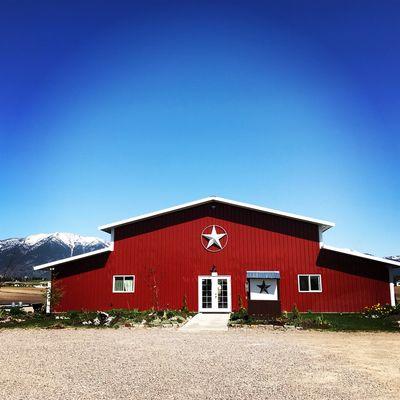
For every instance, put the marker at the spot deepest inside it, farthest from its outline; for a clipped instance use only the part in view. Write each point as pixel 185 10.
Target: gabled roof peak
pixel 323 224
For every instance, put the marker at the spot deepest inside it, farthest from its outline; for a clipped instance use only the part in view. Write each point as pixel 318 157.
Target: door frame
pixel 214 283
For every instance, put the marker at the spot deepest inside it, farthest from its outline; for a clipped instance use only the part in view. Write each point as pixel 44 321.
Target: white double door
pixel 215 294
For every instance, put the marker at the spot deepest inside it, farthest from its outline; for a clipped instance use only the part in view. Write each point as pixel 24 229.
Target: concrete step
pixel 207 322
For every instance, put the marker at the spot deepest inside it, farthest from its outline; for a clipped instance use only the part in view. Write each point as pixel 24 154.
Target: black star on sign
pixel 263 287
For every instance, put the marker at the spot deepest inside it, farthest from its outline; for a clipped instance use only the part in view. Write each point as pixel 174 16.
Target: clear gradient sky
pixel 109 109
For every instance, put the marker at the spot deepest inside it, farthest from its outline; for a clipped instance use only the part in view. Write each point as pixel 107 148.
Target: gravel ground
pixel 167 364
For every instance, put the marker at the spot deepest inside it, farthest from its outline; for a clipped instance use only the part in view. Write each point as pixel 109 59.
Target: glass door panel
pixel 222 293
pixel 206 293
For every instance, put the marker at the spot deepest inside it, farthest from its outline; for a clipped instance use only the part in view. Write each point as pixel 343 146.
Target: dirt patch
pixel 168 364
pixel 372 353
pixel 8 294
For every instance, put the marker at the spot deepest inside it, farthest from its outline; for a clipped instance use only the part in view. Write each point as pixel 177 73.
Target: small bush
pixel 134 314
pixel 17 312
pixel 101 319
pixel 317 322
pixel 380 311
pixel 282 320
pixel 149 317
pixel 295 312
pixel 73 315
pixel 241 315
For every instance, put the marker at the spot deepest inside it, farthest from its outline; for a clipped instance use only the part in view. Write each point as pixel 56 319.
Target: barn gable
pixel 215 201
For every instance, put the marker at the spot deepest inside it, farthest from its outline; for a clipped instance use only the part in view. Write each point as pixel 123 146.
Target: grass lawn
pixel 31 321
pixel 325 321
pixel 356 322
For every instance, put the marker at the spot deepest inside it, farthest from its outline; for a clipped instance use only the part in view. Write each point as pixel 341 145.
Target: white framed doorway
pixel 214 293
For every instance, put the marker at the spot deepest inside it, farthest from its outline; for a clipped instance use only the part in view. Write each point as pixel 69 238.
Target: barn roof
pixel 323 224
pixel 361 255
pixel 74 258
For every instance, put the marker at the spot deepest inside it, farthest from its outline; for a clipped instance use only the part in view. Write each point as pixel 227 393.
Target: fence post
pixel 48 295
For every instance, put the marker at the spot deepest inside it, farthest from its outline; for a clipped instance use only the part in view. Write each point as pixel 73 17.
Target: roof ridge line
pixel 325 224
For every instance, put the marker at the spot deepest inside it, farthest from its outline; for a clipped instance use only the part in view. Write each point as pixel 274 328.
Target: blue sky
pixel 109 109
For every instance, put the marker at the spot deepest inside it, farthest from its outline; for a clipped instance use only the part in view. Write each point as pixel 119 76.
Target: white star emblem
pixel 213 238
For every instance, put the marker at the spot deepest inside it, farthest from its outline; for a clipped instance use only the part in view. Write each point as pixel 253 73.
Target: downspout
pixel 391 287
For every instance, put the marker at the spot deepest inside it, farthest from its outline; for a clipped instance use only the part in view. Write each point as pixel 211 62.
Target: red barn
pixel 216 255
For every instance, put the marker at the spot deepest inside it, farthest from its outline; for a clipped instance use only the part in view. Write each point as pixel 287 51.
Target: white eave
pixel 323 224
pixel 74 258
pixel 361 255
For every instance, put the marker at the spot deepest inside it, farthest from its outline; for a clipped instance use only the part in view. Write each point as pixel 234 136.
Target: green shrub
pixel 317 322
pixel 17 312
pixel 295 314
pixel 73 315
pixel 134 315
pixel 282 320
pixel 241 315
pixel 149 317
pixel 87 315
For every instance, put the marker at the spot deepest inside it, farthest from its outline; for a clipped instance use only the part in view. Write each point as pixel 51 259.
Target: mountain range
pixel 18 256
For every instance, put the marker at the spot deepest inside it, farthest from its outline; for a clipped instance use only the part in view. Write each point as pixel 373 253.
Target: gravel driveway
pixel 166 364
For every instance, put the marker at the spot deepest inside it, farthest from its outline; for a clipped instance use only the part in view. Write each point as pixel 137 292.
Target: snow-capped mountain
pixel 19 255
pixel 393 258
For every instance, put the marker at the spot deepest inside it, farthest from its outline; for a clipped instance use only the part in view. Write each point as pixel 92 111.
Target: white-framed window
pixel 309 283
pixel 123 283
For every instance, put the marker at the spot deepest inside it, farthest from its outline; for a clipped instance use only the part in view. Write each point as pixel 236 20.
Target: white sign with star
pixel 213 236
pixel 263 289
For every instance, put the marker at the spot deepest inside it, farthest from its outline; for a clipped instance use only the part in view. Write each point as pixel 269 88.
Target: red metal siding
pixel 166 256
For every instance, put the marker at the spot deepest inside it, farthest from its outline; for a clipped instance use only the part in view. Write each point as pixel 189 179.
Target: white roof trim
pixel 324 224
pixel 361 255
pixel 70 259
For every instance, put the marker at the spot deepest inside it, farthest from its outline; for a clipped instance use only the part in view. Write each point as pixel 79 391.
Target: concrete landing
pixel 206 322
